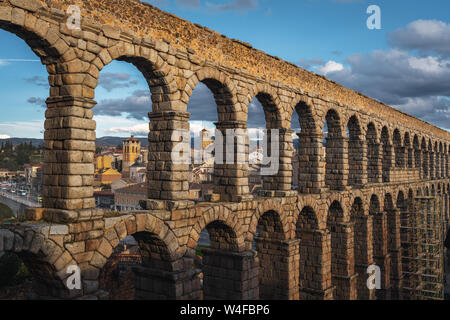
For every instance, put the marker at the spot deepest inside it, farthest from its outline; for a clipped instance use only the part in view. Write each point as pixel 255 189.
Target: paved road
pixel 19 199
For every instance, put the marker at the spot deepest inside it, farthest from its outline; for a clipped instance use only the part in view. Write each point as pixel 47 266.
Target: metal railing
pixel 18 199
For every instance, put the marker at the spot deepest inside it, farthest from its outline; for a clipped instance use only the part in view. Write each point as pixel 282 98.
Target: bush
pixel 5 212
pixel 9 266
pixel 12 270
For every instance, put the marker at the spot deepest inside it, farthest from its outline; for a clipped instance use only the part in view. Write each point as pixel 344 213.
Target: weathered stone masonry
pixel 314 243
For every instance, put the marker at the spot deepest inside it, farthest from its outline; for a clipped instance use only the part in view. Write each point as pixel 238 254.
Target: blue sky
pixel 405 64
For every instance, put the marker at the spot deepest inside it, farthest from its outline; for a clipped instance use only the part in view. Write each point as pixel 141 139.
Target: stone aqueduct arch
pixel 391 156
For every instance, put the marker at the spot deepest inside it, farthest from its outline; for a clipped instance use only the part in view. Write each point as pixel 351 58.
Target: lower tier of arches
pixel 299 247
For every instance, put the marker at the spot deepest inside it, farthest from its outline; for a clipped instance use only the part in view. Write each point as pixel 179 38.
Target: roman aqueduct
pixel 312 243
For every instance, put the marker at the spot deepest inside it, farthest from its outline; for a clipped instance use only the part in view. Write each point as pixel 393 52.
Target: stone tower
pixel 206 139
pixel 131 152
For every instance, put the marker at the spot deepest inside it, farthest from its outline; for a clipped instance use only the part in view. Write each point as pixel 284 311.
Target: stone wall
pixel 156 43
pixel 387 153
pixel 307 246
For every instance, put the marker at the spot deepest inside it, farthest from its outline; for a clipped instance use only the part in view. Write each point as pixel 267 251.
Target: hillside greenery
pixel 5 212
pixel 14 157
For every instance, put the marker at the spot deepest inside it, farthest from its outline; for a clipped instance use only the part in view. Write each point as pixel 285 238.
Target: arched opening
pixel 230 173
pixel 336 164
pixel 269 243
pixel 15 278
pixel 447 151
pixel 363 248
pixel 425 159
pixel 398 149
pixel 417 156
pixel 410 201
pixel 355 152
pixel 117 276
pixel 270 150
pixel 139 267
pixel 408 151
pixel 419 192
pixel 442 161
pixel 26 69
pixel 46 284
pixel 314 255
pixel 380 244
pixel 447 205
pixel 437 161
pixel 307 171
pixel 394 225
pixel 341 252
pixel 121 158
pixel 431 161
pixel 387 155
pixel 203 110
pixel 373 155
pixel 31 267
pixel 401 201
pixel 225 272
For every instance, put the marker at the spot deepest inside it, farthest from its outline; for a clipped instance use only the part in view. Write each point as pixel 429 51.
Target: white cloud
pixel 330 66
pixel 120 126
pixel 425 36
pixel 419 86
pixel 23 129
pixel 4 136
pixel 429 64
pixel 137 130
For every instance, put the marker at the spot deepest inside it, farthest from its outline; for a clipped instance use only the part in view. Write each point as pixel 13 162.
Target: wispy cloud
pixel 188 3
pixel 39 81
pixel 37 101
pixel 4 62
pixel 111 81
pixel 136 106
pixel 234 5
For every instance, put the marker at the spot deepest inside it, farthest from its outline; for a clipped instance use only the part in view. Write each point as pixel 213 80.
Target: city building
pixel 199 191
pixel 104 199
pixel 203 173
pixel 138 172
pixel 128 198
pixel 120 183
pixel 104 173
pixel 131 150
pixel 206 139
pixel 31 171
pixel 6 174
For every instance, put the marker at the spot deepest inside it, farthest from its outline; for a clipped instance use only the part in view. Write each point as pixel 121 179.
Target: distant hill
pixel 115 141
pixel 103 141
pixel 16 141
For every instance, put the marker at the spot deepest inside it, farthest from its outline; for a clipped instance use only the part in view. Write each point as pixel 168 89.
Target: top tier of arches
pixel 74 59
pixel 166 66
